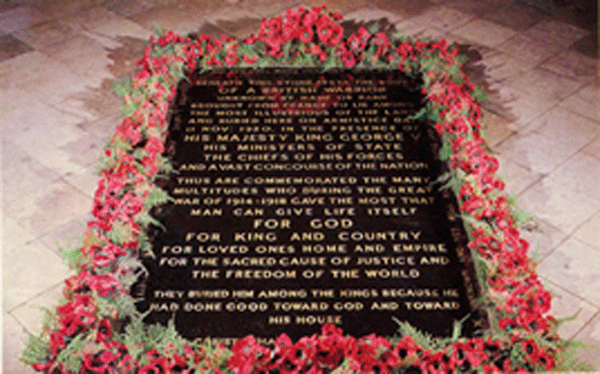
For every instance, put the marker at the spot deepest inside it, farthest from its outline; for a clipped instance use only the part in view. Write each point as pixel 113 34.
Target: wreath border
pixel 96 327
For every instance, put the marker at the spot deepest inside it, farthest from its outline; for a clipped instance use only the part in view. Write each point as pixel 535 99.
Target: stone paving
pixel 538 61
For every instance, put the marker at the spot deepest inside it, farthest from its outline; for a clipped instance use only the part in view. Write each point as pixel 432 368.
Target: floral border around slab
pixel 96 327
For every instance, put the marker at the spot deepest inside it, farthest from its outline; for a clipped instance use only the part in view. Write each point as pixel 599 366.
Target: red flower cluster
pixel 133 159
pixel 322 353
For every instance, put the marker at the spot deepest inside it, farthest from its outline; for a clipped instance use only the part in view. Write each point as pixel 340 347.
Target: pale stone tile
pixel 593 149
pixel 93 105
pixel 101 126
pixel 530 51
pixel 8 100
pixel 451 38
pixel 566 305
pixel 13 235
pixel 543 238
pixel 516 177
pixel 484 32
pixel 123 27
pixel 29 114
pixel 31 315
pixel 442 17
pixel 404 8
pixel 496 127
pixel 63 148
pixel 27 271
pixel 565 127
pixel 555 32
pixel 589 232
pixel 214 32
pixel 17 72
pixel 233 21
pixel 181 19
pixel 534 151
pixel 54 9
pixel 551 204
pixel 89 18
pixel 45 34
pixel 14 337
pixel 578 178
pixel 519 107
pixel 572 64
pixel 128 8
pixel 106 42
pixel 267 8
pixel 68 235
pixel 84 56
pixel 124 59
pixel 240 28
pixel 516 15
pixel 23 174
pixel 585 102
pixel 570 267
pixel 341 6
pixel 39 77
pixel 476 7
pixel 500 67
pixel 368 14
pixel 416 29
pixel 590 336
pixel 56 205
pixel 20 18
pixel 84 179
pixel 546 85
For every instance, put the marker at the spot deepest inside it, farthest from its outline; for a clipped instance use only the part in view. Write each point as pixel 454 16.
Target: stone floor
pixel 536 59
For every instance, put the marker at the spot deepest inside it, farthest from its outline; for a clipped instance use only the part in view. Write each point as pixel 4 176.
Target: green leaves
pixel 36 350
pixel 141 337
pixel 424 339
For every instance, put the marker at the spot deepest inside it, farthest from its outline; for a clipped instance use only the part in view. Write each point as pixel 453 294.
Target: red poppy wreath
pixel 96 327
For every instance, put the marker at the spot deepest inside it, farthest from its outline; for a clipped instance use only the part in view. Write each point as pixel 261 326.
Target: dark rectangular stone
pixel 305 197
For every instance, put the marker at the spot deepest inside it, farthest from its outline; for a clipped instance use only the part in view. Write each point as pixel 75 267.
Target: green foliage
pixel 126 306
pixel 420 115
pixel 158 30
pixel 450 180
pixel 374 28
pixel 141 337
pixel 146 220
pixel 36 350
pixel 446 151
pixel 479 95
pixel 568 358
pixel 157 196
pixel 71 256
pixel 122 87
pixel 424 339
pixel 165 166
pixel 481 270
pixel 116 146
pixel 344 367
pixel 520 216
pixel 136 267
pixel 119 232
pixel 71 356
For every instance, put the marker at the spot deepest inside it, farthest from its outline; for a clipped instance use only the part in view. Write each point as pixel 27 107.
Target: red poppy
pixel 306 34
pixel 100 362
pixel 231 58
